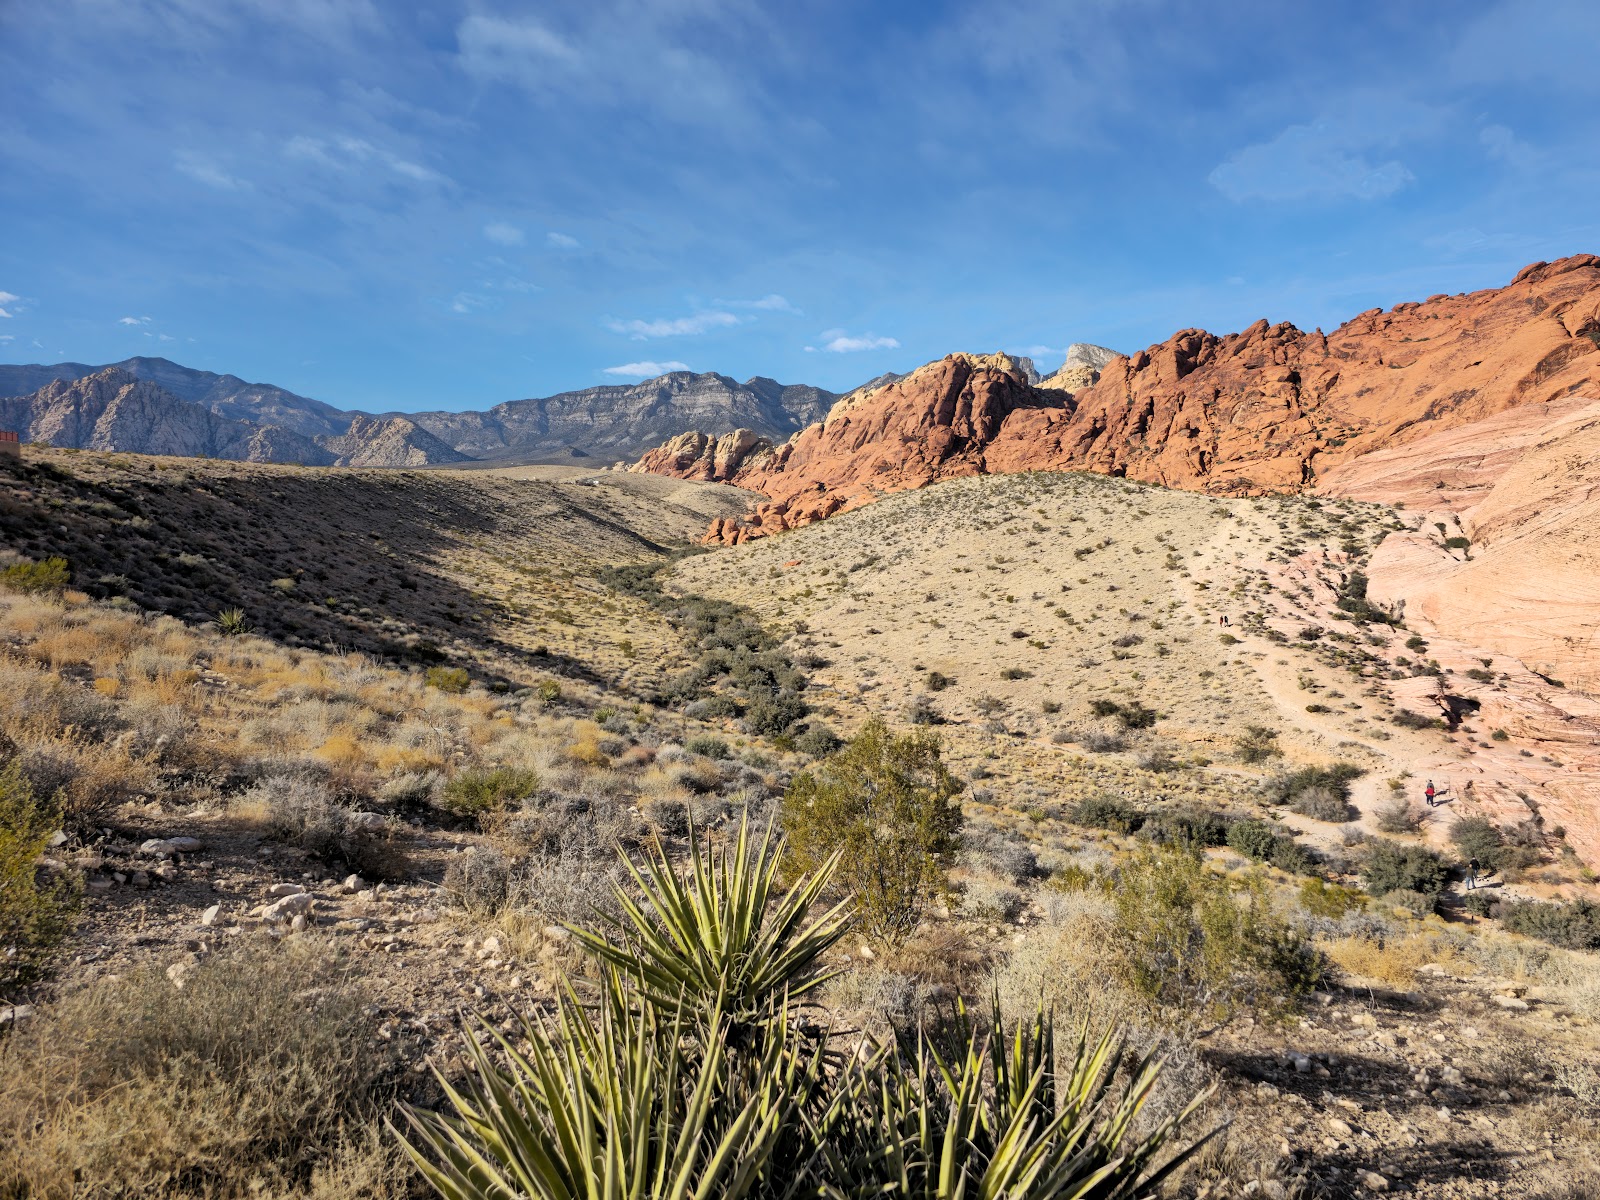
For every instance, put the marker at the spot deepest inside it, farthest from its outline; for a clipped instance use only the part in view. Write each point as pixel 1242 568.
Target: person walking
pixel 1472 874
pixel 1429 793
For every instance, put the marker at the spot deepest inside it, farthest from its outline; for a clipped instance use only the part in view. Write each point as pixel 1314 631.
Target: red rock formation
pixel 1269 409
pixel 694 455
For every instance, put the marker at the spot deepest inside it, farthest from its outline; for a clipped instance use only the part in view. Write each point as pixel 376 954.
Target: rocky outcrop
pixel 1272 408
pixel 1082 367
pixel 113 410
pixel 390 442
pixel 695 455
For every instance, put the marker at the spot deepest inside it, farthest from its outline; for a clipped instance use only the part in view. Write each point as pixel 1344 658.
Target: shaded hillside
pixel 432 566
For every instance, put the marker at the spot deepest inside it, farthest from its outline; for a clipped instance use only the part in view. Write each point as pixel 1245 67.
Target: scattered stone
pixel 353 884
pixel 167 847
pixel 178 973
pixel 209 917
pixel 1372 1181
pixel 12 1016
pixel 1511 1002
pixel 298 923
pixel 368 821
pixel 1300 1062
pixel 285 889
pixel 289 906
pixel 1342 1128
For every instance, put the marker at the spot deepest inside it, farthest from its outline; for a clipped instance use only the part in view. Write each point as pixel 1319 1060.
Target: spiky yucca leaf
pixel 995 1121
pixel 622 1104
pixel 715 930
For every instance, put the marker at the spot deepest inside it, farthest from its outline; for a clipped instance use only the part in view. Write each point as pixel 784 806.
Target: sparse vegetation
pixel 36 907
pixel 49 577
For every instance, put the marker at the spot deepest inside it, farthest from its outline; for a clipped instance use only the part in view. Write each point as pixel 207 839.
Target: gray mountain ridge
pixel 610 422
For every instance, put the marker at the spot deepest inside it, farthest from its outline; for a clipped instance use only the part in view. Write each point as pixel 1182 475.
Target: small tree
pixel 36 911
pixel 887 805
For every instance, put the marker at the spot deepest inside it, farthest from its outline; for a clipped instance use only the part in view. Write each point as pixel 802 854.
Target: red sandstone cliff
pixel 1268 409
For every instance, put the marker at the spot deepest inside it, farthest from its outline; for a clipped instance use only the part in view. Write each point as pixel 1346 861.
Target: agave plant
pixel 693 1077
pixel 715 931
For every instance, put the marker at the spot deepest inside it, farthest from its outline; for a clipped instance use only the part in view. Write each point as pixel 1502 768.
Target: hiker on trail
pixel 1429 793
pixel 1472 874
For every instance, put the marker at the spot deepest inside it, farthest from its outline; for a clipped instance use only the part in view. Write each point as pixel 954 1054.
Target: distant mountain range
pixel 154 406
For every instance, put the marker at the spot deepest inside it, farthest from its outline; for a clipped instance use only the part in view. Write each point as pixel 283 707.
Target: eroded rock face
pixel 1272 408
pixel 695 455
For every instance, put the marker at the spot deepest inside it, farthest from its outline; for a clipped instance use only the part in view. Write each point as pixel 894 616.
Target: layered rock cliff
pixel 1271 408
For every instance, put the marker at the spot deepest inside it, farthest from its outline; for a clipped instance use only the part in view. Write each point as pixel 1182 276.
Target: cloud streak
pixel 690 326
pixel 645 370
pixel 837 341
pixel 504 233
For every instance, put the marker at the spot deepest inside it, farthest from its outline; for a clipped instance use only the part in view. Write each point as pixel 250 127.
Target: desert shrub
pixel 256 1075
pixel 452 680
pixel 984 900
pixel 1186 826
pixel 1007 857
pixel 36 907
pixel 1396 816
pixel 1106 811
pixel 1157 759
pixel 87 781
pixel 937 681
pixel 480 790
pixel 708 746
pixel 1391 867
pixel 1574 925
pixel 548 691
pixel 1407 719
pixel 667 815
pixel 1321 803
pixel 1335 779
pixel 1101 741
pixel 1191 941
pixel 1016 673
pixel 231 622
pixel 1331 900
pixel 817 741
pixel 479 879
pixel 1268 843
pixel 49 577
pixel 1256 744
pixel 1132 715
pixel 1479 903
pixel 887 805
pixel 921 711
pixel 300 810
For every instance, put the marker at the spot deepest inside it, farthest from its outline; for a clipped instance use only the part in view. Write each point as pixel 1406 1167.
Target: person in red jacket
pixel 1429 793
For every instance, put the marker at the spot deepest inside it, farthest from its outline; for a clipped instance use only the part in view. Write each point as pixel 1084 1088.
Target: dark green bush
pixel 50 576
pixel 937 681
pixel 1257 744
pixel 447 679
pixel 477 791
pixel 36 909
pixel 1265 842
pixel 1186 826
pixel 1106 811
pixel 888 806
pixel 708 746
pixel 1574 925
pixel 1392 867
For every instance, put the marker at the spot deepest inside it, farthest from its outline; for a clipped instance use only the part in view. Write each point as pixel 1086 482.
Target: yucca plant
pixel 693 1077
pixel 995 1120
pixel 628 1103
pixel 714 931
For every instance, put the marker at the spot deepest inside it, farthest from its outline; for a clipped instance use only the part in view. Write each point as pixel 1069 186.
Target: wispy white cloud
pixel 562 241
pixel 772 303
pixel 467 302
pixel 5 299
pixel 203 170
pixel 1345 154
pixel 837 341
pixel 514 51
pixel 133 320
pixel 505 233
pixel 345 153
pixel 695 323
pixel 646 370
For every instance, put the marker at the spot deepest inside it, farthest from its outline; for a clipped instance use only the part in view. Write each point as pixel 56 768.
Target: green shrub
pixel 1284 788
pixel 1396 816
pixel 548 691
pixel 1321 804
pixel 1187 826
pixel 231 622
pixel 937 681
pixel 1132 715
pixel 1267 843
pixel 1106 811
pixel 817 741
pixel 887 805
pixel 1480 838
pixel 1407 719
pixel 708 746
pixel 50 576
pixel 1392 867
pixel 1257 744
pixel 1323 899
pixel 447 679
pixel 1575 925
pixel 475 792
pixel 1191 941
pixel 36 908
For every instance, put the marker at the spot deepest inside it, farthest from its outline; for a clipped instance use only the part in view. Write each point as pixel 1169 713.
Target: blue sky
pixel 448 205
